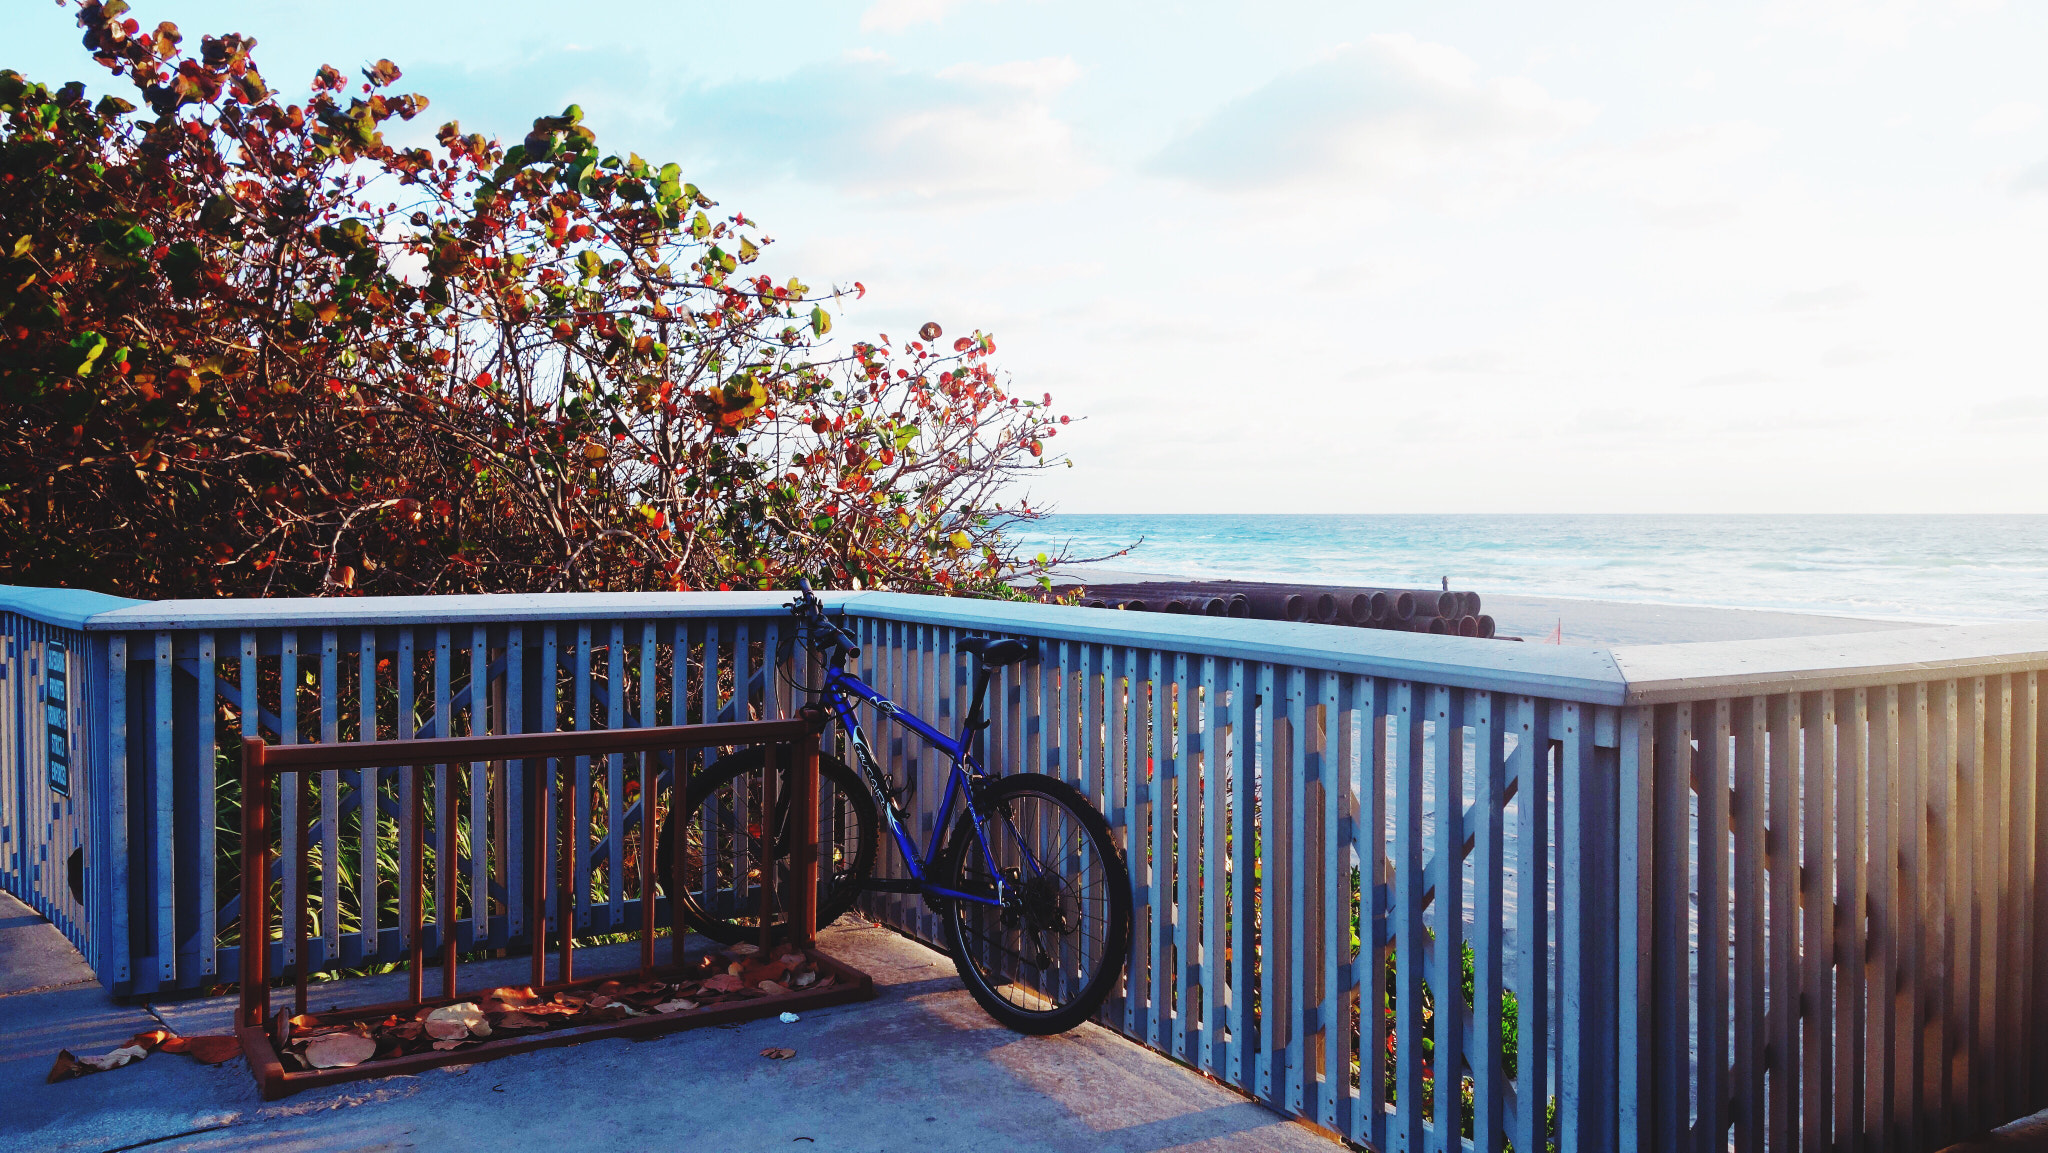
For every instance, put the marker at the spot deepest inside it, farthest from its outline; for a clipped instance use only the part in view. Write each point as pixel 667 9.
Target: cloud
pixel 897 15
pixel 868 128
pixel 2032 180
pixel 1850 356
pixel 2012 409
pixel 1371 116
pixel 1734 379
pixel 1827 299
pixel 1483 362
pixel 1873 23
pixel 2006 119
pixel 1706 214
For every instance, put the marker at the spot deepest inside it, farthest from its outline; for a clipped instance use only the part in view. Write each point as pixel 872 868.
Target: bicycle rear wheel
pixel 1045 959
pixel 727 843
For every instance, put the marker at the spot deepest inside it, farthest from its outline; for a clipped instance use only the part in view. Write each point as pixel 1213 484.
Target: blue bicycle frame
pixel 845 691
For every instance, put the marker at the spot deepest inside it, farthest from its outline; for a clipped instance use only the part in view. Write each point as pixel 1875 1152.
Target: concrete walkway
pixel 920 1069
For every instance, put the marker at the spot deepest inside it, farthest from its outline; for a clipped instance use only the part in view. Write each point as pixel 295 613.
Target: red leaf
pixel 209 1050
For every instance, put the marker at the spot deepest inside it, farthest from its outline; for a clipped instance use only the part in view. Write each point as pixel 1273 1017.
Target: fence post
pixel 1587 940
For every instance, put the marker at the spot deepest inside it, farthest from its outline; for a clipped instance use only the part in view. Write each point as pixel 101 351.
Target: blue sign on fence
pixel 55 715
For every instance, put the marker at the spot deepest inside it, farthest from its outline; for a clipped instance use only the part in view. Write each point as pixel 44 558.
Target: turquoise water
pixel 1934 568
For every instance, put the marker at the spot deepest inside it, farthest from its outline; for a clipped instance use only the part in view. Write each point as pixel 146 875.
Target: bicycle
pixel 1033 893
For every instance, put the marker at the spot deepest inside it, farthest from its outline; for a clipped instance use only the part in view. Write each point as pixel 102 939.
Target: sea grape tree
pixel 250 344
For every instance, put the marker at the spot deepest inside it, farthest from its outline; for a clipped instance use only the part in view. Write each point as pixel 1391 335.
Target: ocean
pixel 1920 568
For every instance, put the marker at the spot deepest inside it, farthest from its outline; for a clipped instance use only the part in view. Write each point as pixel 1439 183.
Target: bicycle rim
pixel 1055 942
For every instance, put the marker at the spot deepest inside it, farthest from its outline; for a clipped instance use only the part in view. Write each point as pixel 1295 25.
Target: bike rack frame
pixel 261 1033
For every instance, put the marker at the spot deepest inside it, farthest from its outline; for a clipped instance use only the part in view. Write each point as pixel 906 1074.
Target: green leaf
pixel 821 321
pixel 22 246
pixel 700 226
pixel 748 252
pixel 588 263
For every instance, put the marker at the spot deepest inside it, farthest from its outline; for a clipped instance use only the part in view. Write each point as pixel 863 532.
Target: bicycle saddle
pixel 995 653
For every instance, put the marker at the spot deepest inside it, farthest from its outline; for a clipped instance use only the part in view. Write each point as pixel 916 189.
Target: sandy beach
pixel 1607 622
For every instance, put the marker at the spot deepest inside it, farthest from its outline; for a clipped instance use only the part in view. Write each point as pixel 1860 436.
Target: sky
pixel 1386 257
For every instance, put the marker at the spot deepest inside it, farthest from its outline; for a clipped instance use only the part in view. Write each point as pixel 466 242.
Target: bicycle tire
pixel 841 870
pixel 1023 992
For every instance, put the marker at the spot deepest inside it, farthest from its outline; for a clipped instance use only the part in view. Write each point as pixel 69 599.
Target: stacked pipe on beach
pixel 1447 612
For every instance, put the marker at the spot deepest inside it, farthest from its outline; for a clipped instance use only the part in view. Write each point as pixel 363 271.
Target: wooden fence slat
pixel 1994 757
pixel 2025 961
pixel 1267 892
pixel 1369 1124
pixel 479 786
pixel 1531 726
pixel 1752 738
pixel 1488 715
pixel 1334 930
pixel 1781 1027
pixel 331 865
pixel 1919 880
pixel 163 796
pixel 1244 719
pixel 408 833
pixel 1411 705
pixel 1670 1022
pixel 1852 823
pixel 1130 775
pixel 1966 835
pixel 1716 731
pixel 1214 898
pixel 250 707
pixel 1447 916
pixel 290 820
pixel 1158 856
pixel 1817 799
pixel 368 788
pixel 1290 890
pixel 615 774
pixel 2037 880
pixel 1943 770
pixel 445 817
pixel 518 851
pixel 205 784
pixel 1888 923
pixel 1186 793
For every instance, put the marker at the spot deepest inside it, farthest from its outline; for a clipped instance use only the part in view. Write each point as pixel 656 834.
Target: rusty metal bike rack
pixel 263 1035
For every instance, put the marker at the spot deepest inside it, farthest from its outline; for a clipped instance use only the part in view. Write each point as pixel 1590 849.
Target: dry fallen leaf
pixel 744 949
pixel 464 1013
pixel 804 980
pixel 676 1006
pixel 210 1050
pixel 792 960
pixel 519 1020
pixel 339 1050
pixel 447 1030
pixel 67 1066
pixel 778 1054
pixel 445 1045
pixel 724 983
pixel 772 987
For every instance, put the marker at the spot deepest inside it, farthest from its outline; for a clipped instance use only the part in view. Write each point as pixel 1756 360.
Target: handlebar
pixel 811 612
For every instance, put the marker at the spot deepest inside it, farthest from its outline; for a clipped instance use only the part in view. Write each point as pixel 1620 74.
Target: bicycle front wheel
pixel 728 842
pixel 1044 959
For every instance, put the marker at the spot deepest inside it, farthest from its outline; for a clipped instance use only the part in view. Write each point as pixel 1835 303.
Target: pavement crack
pixel 169 1136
